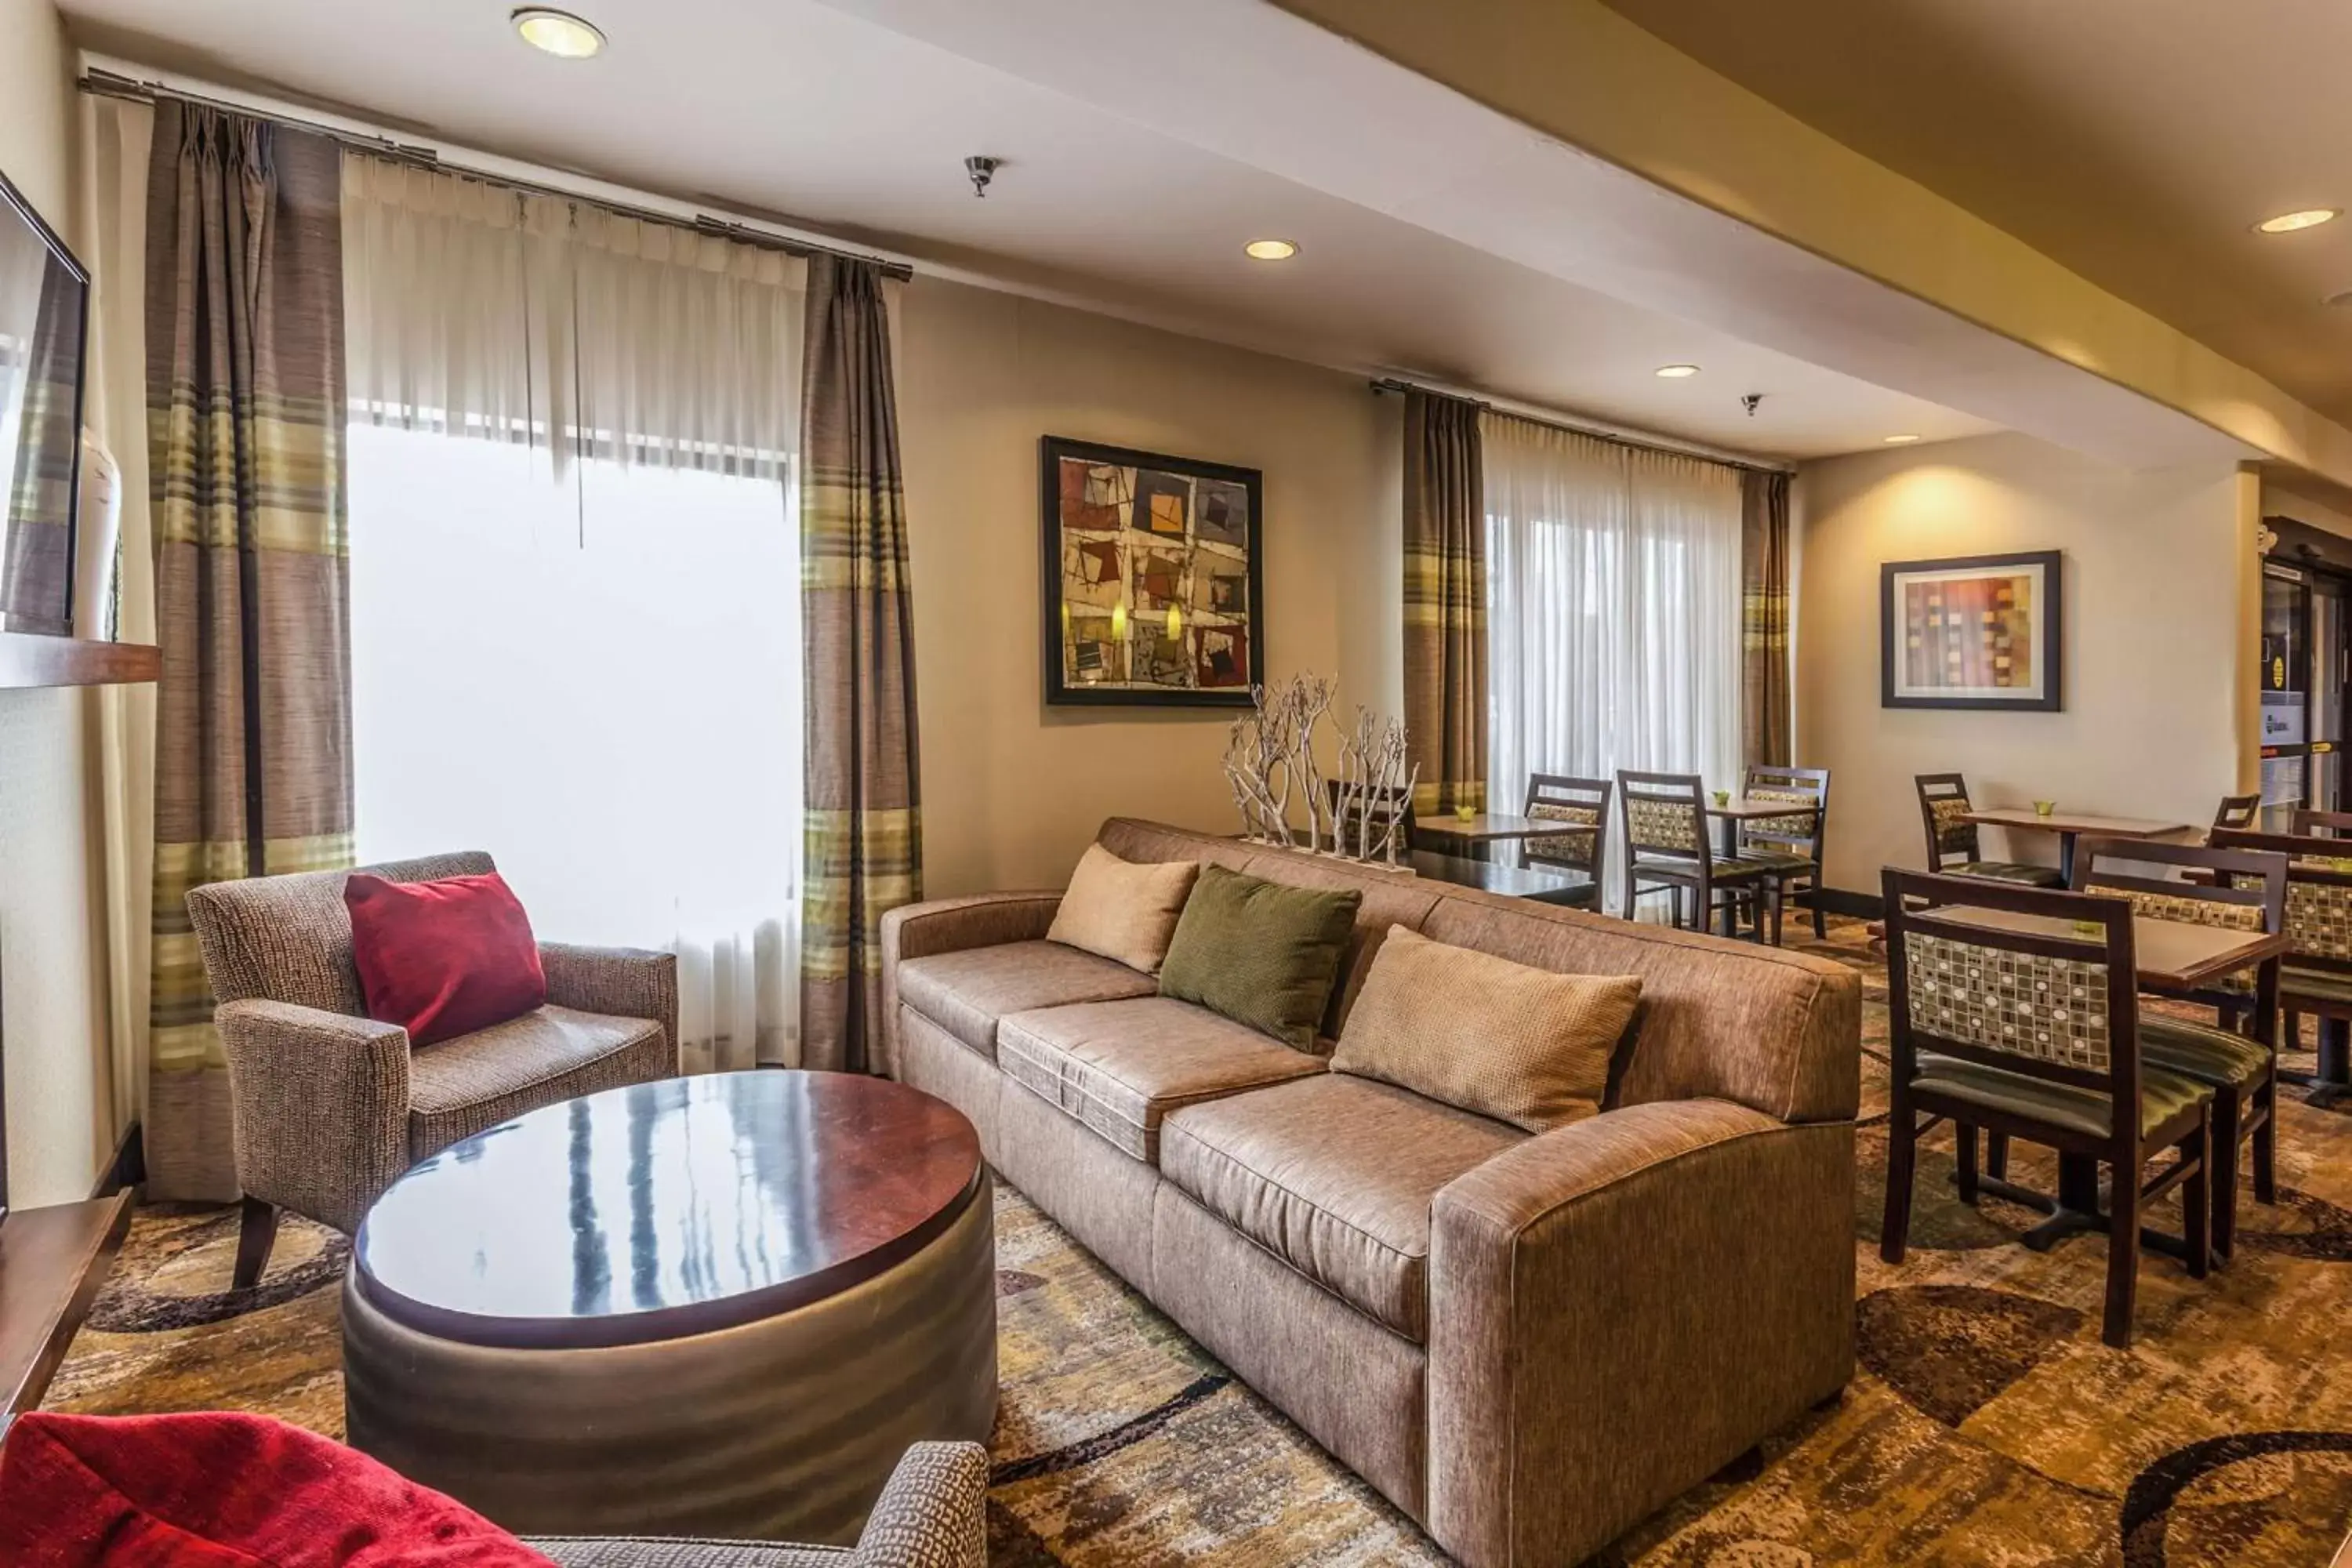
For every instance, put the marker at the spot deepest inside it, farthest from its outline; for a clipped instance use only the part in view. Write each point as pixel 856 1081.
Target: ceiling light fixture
pixel 1899 440
pixel 1676 372
pixel 2309 217
pixel 1270 249
pixel 558 33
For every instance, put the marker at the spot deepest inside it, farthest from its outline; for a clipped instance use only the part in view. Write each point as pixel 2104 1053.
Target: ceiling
pixel 2135 141
pixel 799 109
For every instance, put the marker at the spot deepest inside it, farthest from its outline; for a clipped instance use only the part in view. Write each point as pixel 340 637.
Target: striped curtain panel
pixel 1764 700
pixel 245 420
pixel 863 852
pixel 1445 602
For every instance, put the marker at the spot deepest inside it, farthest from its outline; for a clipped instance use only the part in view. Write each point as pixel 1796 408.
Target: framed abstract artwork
pixel 1977 631
pixel 1152 592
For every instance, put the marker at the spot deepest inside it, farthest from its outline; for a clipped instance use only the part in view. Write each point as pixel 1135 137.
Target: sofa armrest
pixel 620 982
pixel 951 925
pixel 933 1513
pixel 1619 1308
pixel 321 1107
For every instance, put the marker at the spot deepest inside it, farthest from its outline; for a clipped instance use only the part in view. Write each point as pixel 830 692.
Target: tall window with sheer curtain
pixel 1614 604
pixel 575 637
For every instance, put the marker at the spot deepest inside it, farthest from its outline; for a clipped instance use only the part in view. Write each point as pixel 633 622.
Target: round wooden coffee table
pixel 717 1306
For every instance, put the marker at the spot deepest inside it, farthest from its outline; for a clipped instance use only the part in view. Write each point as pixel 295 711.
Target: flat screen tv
pixel 44 340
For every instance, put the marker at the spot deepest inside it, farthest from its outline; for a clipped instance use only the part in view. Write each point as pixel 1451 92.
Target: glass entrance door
pixel 2287 691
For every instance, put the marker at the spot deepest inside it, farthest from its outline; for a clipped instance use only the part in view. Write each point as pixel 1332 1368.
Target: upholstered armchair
pixel 332 1105
pixel 932 1515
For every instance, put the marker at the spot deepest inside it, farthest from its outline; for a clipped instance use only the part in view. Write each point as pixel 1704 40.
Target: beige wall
pixel 53 995
pixel 1011 790
pixel 2152 662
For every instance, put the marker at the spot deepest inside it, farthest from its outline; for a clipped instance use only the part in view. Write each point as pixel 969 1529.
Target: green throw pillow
pixel 1260 953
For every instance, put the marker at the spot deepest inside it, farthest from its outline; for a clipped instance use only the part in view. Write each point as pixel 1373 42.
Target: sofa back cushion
pixel 1122 910
pixel 288 939
pixel 1776 1031
pixel 1260 953
pixel 1483 1034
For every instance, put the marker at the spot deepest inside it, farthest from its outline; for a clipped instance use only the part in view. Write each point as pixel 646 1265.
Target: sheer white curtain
pixel 575 584
pixel 1613 603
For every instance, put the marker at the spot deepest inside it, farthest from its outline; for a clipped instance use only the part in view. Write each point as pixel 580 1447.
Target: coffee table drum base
pixel 781 1429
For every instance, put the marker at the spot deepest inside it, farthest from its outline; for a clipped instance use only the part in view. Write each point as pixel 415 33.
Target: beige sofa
pixel 1525 1343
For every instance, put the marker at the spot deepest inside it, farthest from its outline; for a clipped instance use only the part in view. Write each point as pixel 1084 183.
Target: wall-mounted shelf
pixel 27 659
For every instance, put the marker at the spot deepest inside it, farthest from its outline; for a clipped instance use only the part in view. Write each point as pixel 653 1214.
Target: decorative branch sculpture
pixel 1359 813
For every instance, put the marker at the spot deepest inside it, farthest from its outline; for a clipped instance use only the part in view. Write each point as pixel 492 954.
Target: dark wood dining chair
pixel 1667 847
pixel 1953 845
pixel 2316 977
pixel 2035 1034
pixel 1790 845
pixel 2306 823
pixel 2239 811
pixel 1557 797
pixel 2241 890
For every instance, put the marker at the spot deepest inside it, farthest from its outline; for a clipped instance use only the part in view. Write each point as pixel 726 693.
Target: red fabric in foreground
pixel 445 957
pixel 220 1490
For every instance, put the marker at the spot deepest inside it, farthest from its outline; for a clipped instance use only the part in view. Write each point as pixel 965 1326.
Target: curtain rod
pixel 101 83
pixel 1597 431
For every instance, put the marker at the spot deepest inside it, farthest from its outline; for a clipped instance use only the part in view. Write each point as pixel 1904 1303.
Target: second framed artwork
pixel 1974 631
pixel 1153 591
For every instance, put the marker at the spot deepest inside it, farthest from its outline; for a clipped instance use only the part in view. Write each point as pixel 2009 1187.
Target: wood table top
pixel 2074 822
pixel 1492 825
pixel 666 1209
pixel 2169 953
pixel 1542 883
pixel 1743 808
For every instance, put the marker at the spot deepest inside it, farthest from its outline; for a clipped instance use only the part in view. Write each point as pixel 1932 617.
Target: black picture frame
pixel 15 206
pixel 2047 641
pixel 1061 690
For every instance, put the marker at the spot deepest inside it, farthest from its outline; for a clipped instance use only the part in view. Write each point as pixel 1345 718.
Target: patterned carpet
pixel 1989 1424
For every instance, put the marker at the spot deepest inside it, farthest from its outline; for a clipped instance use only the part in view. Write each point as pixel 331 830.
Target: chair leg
pixel 2123 1256
pixel 1964 1135
pixel 1996 1156
pixel 2197 1197
pixel 257 1230
pixel 1902 1151
pixel 1821 915
pixel 2267 1140
pixel 2228 1113
pixel 1776 897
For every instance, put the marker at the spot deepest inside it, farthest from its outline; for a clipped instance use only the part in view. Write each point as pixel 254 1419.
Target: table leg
pixel 2078 1208
pixel 2066 857
pixel 2334 1079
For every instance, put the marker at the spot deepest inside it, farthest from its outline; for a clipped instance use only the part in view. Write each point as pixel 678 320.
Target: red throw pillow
pixel 218 1491
pixel 445 957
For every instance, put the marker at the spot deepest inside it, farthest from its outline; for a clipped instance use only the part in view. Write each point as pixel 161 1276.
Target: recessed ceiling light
pixel 1271 249
pixel 1676 372
pixel 559 33
pixel 2309 217
pixel 1899 440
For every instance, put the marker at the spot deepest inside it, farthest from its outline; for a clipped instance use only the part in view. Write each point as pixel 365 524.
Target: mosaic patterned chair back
pixel 1793 828
pixel 1954 836
pixel 1664 826
pixel 2319 918
pixel 1555 797
pixel 2188 908
pixel 2025 1005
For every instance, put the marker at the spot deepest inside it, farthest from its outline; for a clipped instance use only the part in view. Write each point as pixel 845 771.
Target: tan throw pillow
pixel 1121 909
pixel 1482 1033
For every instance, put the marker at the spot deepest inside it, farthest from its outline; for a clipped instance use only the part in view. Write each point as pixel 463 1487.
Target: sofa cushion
pixel 1263 954
pixel 1123 911
pixel 1118 1067
pixel 467 1085
pixel 966 993
pixel 1334 1175
pixel 443 958
pixel 1485 1034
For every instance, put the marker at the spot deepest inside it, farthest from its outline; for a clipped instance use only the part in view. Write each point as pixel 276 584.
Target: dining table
pixel 1540 885
pixel 2069 825
pixel 2170 957
pixel 1474 837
